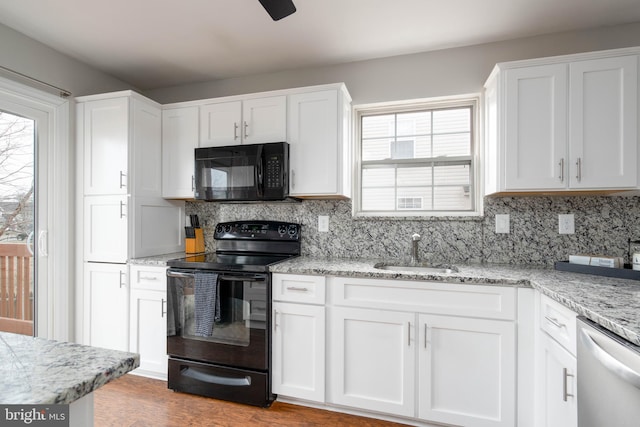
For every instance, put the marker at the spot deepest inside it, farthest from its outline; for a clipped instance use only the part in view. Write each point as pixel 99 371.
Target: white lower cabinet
pixel 557 385
pixel 299 351
pixel 432 352
pixel 148 322
pixel 373 360
pixel 106 306
pixel 466 371
pixel 298 346
pixel 556 388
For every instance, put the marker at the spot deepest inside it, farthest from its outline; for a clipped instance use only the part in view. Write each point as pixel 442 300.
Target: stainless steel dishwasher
pixel 608 378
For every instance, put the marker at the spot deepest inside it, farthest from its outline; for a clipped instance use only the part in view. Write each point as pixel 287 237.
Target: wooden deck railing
pixel 16 289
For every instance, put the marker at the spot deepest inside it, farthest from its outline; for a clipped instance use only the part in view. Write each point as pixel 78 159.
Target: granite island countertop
pixel 41 371
pixel 612 303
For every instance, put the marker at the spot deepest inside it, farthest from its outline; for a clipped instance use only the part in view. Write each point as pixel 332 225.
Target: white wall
pixel 437 73
pixel 28 56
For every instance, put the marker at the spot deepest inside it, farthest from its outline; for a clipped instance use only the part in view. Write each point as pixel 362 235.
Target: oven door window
pixel 240 307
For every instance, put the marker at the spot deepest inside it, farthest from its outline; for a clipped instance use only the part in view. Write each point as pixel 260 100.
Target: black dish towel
pixel 207 305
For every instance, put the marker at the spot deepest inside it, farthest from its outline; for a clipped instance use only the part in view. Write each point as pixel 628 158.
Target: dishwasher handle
pixel 608 361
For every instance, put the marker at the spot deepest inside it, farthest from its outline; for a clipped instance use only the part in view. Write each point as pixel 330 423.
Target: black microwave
pixel 242 172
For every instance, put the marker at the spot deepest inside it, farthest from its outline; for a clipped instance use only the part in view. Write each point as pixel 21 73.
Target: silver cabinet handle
pixel 193 182
pixel 554 322
pixel 565 376
pixel 609 362
pixel 246 129
pixel 235 131
pixel 293 178
pixel 162 307
pixel 123 175
pixel 579 169
pixel 561 164
pixel 409 334
pixel 297 288
pixel 275 319
pixel 122 205
pixel 425 335
pixel 122 274
pixel 148 278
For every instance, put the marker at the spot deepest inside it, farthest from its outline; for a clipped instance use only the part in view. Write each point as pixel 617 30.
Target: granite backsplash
pixel 603 225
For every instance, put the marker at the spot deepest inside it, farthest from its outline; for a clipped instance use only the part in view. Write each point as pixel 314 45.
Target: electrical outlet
pixel 502 223
pixel 323 223
pixel 566 224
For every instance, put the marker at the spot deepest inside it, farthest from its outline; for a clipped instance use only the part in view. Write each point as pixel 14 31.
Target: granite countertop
pixel 157 260
pixel 40 371
pixel 612 303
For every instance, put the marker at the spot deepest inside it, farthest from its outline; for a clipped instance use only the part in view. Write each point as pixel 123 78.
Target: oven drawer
pixel 219 382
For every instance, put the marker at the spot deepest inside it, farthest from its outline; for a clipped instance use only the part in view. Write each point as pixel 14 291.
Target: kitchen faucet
pixel 415 238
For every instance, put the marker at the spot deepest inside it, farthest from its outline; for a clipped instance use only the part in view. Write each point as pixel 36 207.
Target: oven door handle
pixel 215 379
pixel 248 278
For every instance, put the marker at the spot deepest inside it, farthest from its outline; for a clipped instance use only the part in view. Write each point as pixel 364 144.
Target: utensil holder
pixel 195 245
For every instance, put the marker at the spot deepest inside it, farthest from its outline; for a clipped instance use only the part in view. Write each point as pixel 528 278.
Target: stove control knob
pixel 282 229
pixel 219 229
pixel 227 229
pixel 293 230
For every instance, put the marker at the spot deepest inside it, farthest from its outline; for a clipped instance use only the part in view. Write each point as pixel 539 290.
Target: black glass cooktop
pixel 229 262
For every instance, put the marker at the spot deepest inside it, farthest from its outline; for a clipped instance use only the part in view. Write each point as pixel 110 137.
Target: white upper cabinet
pixel 603 105
pixel 563 123
pixel 319 123
pixel 120 134
pixel 179 140
pixel 249 121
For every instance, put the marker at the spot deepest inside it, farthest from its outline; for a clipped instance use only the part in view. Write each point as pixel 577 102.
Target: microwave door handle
pixel 259 171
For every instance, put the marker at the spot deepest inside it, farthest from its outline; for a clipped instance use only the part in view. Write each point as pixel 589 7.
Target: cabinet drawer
pixel 491 302
pixel 148 277
pixel 559 322
pixel 299 288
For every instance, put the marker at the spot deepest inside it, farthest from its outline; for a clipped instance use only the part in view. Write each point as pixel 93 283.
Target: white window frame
pixel 466 100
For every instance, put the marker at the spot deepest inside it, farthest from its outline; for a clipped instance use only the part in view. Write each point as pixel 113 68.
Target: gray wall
pixel 28 56
pixel 439 73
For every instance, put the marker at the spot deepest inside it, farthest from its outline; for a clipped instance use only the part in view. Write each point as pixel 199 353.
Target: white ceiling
pixel 160 43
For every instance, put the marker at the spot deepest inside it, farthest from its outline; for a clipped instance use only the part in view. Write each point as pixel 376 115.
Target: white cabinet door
pixel 220 124
pixel 106 228
pixel 299 351
pixel 149 331
pixel 557 385
pixel 535 133
pixel 251 121
pixel 318 154
pixel 604 122
pixel 373 360
pixel 106 306
pixel 179 140
pixel 156 226
pixel 105 136
pixel 264 120
pixel 467 372
pixel 146 149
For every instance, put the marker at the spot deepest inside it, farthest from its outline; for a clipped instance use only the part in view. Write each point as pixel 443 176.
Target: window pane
pixel 376 149
pixel 378 126
pixel 456 120
pixel 379 177
pixel 415 123
pixel 455 144
pixel 452 198
pixel 403 149
pixel 451 175
pixel 378 199
pixel 414 176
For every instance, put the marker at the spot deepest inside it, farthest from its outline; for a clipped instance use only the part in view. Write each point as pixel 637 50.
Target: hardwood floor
pixel 133 401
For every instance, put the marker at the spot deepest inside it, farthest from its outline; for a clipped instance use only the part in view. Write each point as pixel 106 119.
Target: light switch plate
pixel 502 223
pixel 323 223
pixel 566 224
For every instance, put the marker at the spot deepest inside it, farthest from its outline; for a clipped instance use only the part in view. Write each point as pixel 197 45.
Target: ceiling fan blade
pixel 278 9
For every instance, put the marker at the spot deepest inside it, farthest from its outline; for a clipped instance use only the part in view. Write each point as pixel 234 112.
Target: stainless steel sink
pixel 442 269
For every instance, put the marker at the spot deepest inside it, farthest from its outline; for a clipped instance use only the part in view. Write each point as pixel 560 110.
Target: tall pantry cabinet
pixel 121 213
